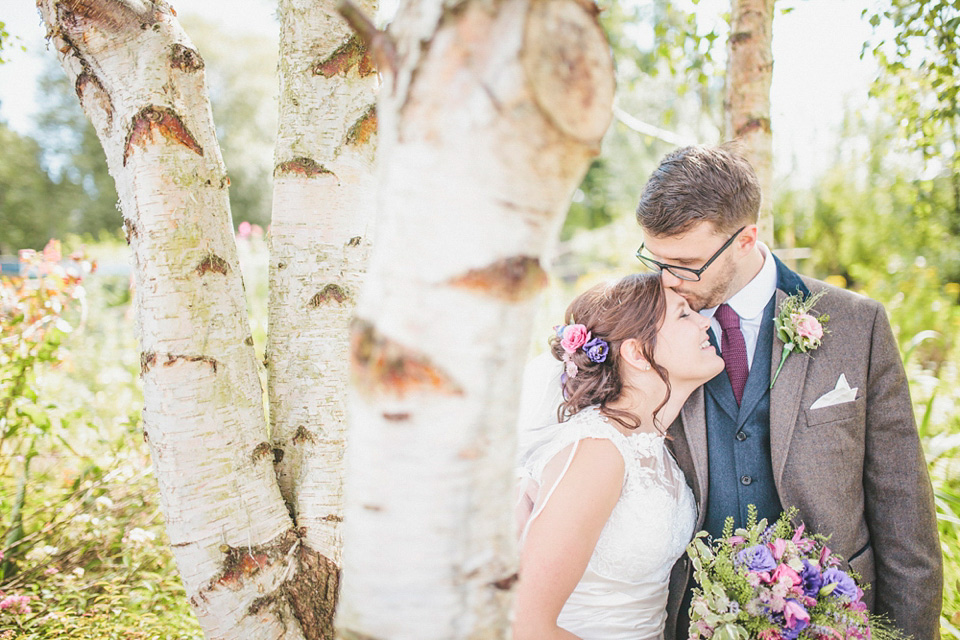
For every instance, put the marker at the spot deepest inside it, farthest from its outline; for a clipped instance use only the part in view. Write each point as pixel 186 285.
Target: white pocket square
pixel 840 394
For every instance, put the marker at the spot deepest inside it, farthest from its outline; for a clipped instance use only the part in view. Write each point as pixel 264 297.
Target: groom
pixel 852 465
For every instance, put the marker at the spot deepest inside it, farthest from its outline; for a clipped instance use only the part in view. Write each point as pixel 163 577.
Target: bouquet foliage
pixel 776 582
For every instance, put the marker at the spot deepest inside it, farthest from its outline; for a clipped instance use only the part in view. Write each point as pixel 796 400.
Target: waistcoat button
pixel 741 436
pixel 745 480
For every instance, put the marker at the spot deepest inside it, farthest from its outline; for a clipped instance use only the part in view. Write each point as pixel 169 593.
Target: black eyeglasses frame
pixel 686 273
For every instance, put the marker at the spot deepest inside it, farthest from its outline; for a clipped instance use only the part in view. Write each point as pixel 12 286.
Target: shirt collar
pixel 752 299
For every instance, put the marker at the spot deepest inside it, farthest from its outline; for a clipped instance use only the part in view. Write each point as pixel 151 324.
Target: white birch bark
pixel 141 83
pixel 749 72
pixel 319 243
pixel 487 124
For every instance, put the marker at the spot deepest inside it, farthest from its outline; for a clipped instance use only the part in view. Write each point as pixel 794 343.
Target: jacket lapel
pixel 694 419
pixel 788 387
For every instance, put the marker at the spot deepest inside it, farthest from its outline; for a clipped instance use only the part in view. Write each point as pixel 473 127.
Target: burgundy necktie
pixel 733 349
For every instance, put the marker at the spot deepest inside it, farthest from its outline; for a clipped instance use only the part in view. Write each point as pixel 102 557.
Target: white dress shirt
pixel 749 304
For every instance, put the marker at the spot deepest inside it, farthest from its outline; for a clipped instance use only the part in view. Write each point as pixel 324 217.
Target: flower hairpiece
pixel 576 336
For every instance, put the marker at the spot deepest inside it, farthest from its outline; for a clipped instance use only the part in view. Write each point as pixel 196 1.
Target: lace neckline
pixel 641 435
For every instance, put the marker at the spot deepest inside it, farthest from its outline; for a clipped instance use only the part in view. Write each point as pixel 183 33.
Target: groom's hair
pixel 699 184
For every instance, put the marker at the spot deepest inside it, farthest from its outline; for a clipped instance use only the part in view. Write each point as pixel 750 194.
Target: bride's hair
pixel 632 307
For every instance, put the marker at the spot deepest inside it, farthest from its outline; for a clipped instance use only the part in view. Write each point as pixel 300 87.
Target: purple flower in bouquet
pixel 757 558
pixel 811 579
pixel 845 584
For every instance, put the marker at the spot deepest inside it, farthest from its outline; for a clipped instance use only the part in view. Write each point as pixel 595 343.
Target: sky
pixel 816 47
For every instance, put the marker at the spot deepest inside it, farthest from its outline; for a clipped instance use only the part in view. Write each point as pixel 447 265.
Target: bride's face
pixel 683 346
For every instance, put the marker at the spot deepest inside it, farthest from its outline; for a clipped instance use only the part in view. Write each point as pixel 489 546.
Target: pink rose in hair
pixel 807 326
pixel 574 337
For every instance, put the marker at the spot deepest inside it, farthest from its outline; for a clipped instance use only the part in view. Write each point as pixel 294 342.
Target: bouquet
pixel 776 583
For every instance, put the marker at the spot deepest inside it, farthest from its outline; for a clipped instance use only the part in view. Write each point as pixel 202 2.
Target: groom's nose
pixel 669 280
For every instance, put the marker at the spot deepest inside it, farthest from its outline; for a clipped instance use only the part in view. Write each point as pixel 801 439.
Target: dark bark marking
pixel 172 359
pixel 512 279
pixel 740 36
pixel 372 507
pixel 332 518
pixel 277 455
pixel 212 262
pixel 350 54
pixel 155 120
pixel 330 292
pixel 505 584
pixel 243 562
pixel 130 230
pixel 147 360
pixel 396 417
pixel 301 435
pixel 310 595
pixel 248 341
pixel 261 450
pixel 753 124
pixel 381 365
pixel 304 166
pixel 354 241
pixel 88 79
pixel 185 58
pixel 363 129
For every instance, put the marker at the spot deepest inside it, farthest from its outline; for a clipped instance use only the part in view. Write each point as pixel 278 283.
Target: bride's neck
pixel 642 400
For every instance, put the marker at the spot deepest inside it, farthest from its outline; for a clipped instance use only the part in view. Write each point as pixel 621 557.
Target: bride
pixel 604 511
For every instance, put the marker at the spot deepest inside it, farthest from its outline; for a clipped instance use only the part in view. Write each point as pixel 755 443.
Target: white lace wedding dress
pixel 623 592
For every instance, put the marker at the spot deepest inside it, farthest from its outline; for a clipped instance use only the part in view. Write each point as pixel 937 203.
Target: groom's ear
pixel 747 239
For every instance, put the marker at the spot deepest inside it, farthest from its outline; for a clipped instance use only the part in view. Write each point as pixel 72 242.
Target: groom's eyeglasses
pixel 685 273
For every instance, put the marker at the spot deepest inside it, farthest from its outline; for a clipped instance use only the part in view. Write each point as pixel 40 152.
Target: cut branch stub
pixel 568 64
pixel 162 121
pixel 381 365
pixel 350 54
pixel 184 58
pixel 512 279
pixel 364 128
pixel 378 42
pixel 303 166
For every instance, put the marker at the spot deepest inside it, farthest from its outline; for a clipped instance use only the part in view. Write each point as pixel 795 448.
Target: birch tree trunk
pixel 489 115
pixel 749 72
pixel 319 243
pixel 141 83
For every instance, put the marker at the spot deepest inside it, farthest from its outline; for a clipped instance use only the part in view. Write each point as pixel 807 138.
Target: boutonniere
pixel 797 327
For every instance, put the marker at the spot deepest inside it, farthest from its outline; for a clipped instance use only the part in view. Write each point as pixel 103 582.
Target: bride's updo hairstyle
pixel 633 307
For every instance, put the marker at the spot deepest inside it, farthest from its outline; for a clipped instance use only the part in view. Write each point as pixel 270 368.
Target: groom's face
pixel 693 249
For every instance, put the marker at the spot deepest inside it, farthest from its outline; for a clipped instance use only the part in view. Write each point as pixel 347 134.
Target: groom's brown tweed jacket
pixel 855 471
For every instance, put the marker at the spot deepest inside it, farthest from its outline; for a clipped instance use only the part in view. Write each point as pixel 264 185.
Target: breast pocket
pixel 843 412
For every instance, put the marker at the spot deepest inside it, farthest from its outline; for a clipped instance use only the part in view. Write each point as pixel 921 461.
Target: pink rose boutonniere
pixel 798 328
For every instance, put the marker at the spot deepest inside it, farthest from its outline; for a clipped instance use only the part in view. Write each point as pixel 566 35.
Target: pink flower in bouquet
pixel 795 615
pixel 770 634
pixel 804 545
pixel 735 540
pixel 777 547
pixel 574 337
pixel 783 573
